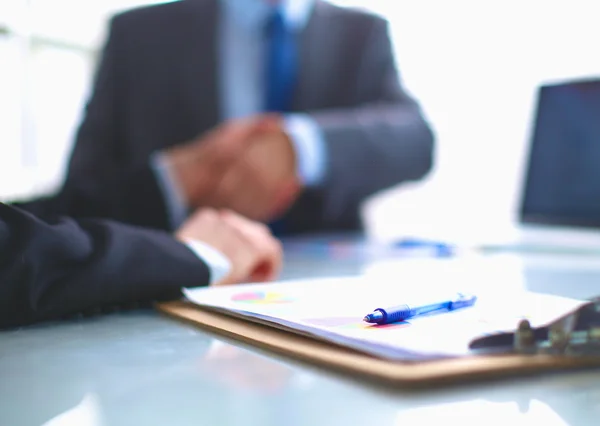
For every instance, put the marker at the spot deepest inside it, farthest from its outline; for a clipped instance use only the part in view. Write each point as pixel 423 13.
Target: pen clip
pixel 463 301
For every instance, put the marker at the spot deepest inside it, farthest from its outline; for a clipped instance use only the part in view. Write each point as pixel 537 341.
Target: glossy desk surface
pixel 138 368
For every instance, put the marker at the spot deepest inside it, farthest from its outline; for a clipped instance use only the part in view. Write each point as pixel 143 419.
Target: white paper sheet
pixel 333 308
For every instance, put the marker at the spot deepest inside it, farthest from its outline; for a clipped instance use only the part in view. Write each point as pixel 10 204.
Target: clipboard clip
pixel 574 334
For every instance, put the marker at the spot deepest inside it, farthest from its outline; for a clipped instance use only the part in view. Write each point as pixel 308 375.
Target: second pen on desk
pixel 404 312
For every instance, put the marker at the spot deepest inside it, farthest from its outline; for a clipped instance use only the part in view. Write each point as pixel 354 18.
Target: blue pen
pixel 404 312
pixel 441 249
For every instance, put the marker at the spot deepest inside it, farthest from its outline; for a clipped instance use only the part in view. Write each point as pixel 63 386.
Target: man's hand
pixel 199 166
pixel 255 255
pixel 262 183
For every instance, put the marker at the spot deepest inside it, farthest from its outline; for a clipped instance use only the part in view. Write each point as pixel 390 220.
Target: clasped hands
pixel 245 165
pixel 236 176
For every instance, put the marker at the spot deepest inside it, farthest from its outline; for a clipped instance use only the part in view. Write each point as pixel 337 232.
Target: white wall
pixel 474 65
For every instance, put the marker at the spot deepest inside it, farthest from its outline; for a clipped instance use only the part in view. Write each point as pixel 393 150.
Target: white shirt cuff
pixel 218 265
pixel 309 144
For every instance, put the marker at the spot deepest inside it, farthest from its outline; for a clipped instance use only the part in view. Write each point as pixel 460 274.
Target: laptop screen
pixel 562 184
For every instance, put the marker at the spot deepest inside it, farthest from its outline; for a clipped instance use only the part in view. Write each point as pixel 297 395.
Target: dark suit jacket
pixel 563 177
pixel 157 86
pixel 48 270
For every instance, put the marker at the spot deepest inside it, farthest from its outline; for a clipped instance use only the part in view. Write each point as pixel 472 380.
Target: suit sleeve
pixel 53 269
pixel 102 179
pixel 383 141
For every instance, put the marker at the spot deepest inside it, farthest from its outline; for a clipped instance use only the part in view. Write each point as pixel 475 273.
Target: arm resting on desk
pixel 52 269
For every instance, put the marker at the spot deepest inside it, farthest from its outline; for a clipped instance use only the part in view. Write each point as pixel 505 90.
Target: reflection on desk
pixel 241 369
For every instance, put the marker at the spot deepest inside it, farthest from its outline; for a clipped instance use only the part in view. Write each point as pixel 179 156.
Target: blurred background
pixel 474 66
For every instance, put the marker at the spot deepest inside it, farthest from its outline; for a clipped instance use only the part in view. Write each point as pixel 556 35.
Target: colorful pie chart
pixel 261 297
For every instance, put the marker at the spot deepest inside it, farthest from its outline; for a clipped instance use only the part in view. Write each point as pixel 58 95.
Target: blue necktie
pixel 281 64
pixel 280 76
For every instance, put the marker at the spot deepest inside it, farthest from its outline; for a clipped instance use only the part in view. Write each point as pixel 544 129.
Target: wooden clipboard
pixel 408 375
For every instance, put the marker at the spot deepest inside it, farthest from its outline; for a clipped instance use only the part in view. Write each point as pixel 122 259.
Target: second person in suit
pixel 288 112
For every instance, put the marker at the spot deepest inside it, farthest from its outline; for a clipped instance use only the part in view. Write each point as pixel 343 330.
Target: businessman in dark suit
pixel 52 269
pixel 177 81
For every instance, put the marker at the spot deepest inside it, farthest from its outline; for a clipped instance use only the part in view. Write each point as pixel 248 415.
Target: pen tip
pixel 366 319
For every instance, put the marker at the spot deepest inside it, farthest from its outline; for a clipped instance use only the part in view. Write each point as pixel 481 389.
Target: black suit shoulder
pixel 357 22
pixel 142 25
pixel 144 32
pixel 155 13
pixel 354 15
pixel 159 17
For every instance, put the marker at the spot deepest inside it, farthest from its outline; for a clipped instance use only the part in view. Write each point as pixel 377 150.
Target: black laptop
pixel 562 182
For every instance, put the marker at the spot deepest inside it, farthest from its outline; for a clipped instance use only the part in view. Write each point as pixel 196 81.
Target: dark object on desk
pixel 563 175
pixel 576 333
pixel 49 270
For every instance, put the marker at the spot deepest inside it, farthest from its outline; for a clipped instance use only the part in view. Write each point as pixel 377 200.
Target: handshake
pixel 238 175
pixel 246 165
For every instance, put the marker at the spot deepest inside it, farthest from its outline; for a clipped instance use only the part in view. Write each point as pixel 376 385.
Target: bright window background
pixel 47 57
pixel 474 66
